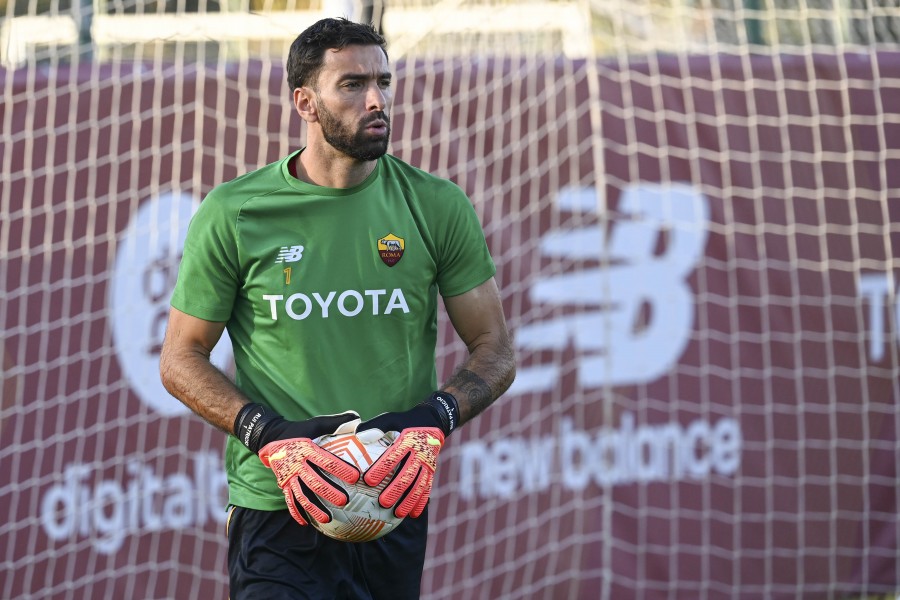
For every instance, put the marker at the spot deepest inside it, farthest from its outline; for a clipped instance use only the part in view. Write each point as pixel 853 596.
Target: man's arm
pixel 477 316
pixel 188 375
pixel 284 446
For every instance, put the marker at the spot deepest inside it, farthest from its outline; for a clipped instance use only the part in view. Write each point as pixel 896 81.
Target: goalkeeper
pixel 326 267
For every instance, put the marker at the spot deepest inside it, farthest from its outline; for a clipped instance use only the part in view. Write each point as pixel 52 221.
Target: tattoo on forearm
pixel 477 393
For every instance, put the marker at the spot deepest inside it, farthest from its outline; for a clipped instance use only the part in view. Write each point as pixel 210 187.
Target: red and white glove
pixel 423 430
pixel 299 464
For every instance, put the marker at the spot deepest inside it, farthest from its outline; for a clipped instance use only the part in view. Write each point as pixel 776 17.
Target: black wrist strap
pixel 249 424
pixel 447 409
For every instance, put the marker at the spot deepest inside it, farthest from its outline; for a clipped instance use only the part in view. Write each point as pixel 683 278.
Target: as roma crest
pixel 390 249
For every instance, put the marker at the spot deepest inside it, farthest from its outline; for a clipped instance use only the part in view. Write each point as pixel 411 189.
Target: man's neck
pixel 330 169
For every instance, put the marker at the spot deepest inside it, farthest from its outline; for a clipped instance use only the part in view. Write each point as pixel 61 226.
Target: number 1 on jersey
pixel 287 276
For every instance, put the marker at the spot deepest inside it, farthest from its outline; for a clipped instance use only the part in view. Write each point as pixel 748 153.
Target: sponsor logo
pixel 143 278
pixel 81 505
pixel 390 249
pixel 575 458
pixel 289 254
pixel 629 318
pixel 348 303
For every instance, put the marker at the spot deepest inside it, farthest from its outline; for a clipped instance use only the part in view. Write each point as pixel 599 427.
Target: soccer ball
pixel 362 519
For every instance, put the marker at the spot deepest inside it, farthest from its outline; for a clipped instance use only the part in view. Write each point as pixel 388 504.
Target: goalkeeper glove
pixel 414 453
pixel 299 464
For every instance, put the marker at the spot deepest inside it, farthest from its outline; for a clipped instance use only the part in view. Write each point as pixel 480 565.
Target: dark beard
pixel 359 144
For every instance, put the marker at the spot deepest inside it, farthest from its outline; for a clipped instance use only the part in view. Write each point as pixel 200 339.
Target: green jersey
pixel 329 295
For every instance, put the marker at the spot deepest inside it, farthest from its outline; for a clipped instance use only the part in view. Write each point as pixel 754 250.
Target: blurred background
pixel 692 206
pixel 105 30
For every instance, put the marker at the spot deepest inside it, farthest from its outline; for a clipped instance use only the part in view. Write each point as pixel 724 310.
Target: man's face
pixel 353 99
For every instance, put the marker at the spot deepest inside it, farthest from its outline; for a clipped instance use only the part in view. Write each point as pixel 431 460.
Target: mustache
pixel 376 116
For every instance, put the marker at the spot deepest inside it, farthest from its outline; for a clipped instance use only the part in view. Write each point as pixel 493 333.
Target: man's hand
pixel 299 464
pixel 414 453
pixel 416 450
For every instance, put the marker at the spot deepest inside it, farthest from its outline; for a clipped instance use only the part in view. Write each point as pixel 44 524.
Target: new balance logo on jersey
pixel 289 254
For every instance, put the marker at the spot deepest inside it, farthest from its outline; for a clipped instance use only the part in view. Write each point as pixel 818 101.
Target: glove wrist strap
pixel 447 409
pixel 249 424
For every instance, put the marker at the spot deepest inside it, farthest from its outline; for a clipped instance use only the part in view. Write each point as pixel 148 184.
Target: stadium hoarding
pixel 700 279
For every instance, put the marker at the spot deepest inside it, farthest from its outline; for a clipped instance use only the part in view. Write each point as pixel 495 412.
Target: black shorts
pixel 271 557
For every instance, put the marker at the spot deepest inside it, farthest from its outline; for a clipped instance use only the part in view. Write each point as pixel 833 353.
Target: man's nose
pixel 375 99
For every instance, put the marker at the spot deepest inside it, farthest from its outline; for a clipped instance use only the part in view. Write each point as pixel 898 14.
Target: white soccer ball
pixel 362 519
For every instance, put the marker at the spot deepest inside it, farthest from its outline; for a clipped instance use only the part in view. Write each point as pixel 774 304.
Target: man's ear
pixel 305 104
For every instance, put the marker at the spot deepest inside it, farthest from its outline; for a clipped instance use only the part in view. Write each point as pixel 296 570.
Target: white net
pixel 692 207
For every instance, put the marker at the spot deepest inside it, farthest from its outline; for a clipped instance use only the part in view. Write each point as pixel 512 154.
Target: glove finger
pixel 292 507
pixel 418 495
pixel 334 465
pixel 384 465
pixel 312 510
pixel 399 485
pixel 416 512
pixel 316 482
pixel 411 498
pixel 419 508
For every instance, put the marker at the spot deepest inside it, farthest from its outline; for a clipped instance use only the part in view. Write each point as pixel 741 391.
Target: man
pixel 325 267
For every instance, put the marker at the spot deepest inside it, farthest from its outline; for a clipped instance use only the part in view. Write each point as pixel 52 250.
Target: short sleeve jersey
pixel 329 295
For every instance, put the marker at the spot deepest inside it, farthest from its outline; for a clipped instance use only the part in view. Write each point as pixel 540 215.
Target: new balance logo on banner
pixel 605 302
pixel 289 254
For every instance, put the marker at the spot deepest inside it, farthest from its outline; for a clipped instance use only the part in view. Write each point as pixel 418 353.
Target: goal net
pixel 692 205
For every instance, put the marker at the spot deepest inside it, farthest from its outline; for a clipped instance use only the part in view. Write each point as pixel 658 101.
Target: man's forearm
pixel 482 379
pixel 190 377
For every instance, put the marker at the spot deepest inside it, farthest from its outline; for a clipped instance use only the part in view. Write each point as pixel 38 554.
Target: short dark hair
pixel 307 53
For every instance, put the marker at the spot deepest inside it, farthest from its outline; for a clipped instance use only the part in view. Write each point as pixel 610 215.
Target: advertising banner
pixel 697 259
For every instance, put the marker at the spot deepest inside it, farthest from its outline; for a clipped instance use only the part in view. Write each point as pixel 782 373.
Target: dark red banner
pixel 697 260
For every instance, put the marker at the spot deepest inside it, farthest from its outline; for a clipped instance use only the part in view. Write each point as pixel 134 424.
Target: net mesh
pixel 692 208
